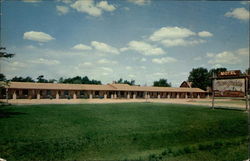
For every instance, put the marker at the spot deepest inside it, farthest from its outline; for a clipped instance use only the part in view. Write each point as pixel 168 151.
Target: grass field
pixel 128 131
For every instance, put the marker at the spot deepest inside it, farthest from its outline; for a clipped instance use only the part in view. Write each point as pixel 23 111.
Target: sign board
pixel 231 73
pixel 229 87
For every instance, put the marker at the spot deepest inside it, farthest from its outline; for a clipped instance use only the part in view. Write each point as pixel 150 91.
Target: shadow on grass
pixel 7 113
pixel 229 108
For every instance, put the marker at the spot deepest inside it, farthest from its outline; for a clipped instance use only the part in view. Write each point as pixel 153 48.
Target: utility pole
pixel 213 90
pixel 246 92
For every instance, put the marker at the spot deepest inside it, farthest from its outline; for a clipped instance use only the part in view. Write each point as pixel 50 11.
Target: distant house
pixel 186 84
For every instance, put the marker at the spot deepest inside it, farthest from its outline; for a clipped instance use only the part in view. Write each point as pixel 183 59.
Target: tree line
pixel 77 80
pixel 200 78
pixel 42 79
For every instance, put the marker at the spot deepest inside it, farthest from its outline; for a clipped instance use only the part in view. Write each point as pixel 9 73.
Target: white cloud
pixel 30 47
pixel 178 36
pixel 65 1
pixel 159 74
pixel 171 33
pixel 144 48
pixel 45 61
pixel 106 61
pixel 62 10
pixel 18 64
pixel 85 64
pixel 126 8
pixel 210 55
pixel 142 67
pixel 180 42
pixel 217 66
pixel 128 67
pixel 106 69
pixel 164 60
pixel 245 2
pixel 105 74
pixel 102 47
pixel 143 59
pixel 105 6
pixel 124 49
pixel 31 1
pixel 239 13
pixel 15 66
pixel 243 51
pixel 225 57
pixel 140 2
pixel 81 47
pixel 37 36
pixel 205 34
pixel 198 58
pixel 89 7
pixel 131 76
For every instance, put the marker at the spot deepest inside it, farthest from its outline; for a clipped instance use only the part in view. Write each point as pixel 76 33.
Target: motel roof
pixel 107 87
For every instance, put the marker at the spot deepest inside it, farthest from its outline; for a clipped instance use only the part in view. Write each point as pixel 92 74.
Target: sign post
pixel 230 84
pixel 246 92
pixel 213 91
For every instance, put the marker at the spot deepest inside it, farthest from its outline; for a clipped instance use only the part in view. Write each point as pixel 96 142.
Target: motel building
pixel 27 90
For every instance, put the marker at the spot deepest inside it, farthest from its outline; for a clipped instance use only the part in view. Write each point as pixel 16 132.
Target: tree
pixel 199 78
pixel 79 80
pixel 216 71
pixel 21 79
pixel 121 81
pixel 162 83
pixel 95 82
pixel 61 80
pixel 85 80
pixel 40 79
pixel 5 82
pixel 2 77
pixel 52 80
pixel 4 54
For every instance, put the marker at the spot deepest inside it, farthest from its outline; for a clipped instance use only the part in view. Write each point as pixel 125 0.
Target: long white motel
pixel 25 90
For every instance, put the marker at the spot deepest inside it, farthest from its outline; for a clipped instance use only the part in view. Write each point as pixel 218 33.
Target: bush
pixel 218 144
pixel 165 152
pixel 187 150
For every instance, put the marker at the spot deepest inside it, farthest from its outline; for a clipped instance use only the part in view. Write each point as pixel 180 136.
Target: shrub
pixel 165 152
pixel 218 144
pixel 187 149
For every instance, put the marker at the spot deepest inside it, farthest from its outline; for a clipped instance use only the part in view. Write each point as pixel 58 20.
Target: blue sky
pixel 142 40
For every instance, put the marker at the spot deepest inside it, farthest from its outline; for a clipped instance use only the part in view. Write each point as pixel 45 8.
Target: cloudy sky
pixel 142 40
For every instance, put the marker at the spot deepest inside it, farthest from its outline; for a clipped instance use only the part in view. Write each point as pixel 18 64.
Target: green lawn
pixel 239 102
pixel 128 131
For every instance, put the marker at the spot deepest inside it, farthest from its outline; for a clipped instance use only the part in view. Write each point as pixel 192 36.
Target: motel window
pixel 82 93
pixel 25 92
pixel 48 92
pixel 3 91
pixel 66 93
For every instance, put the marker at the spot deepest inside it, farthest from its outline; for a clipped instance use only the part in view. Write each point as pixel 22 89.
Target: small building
pixel 186 84
pixel 27 90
